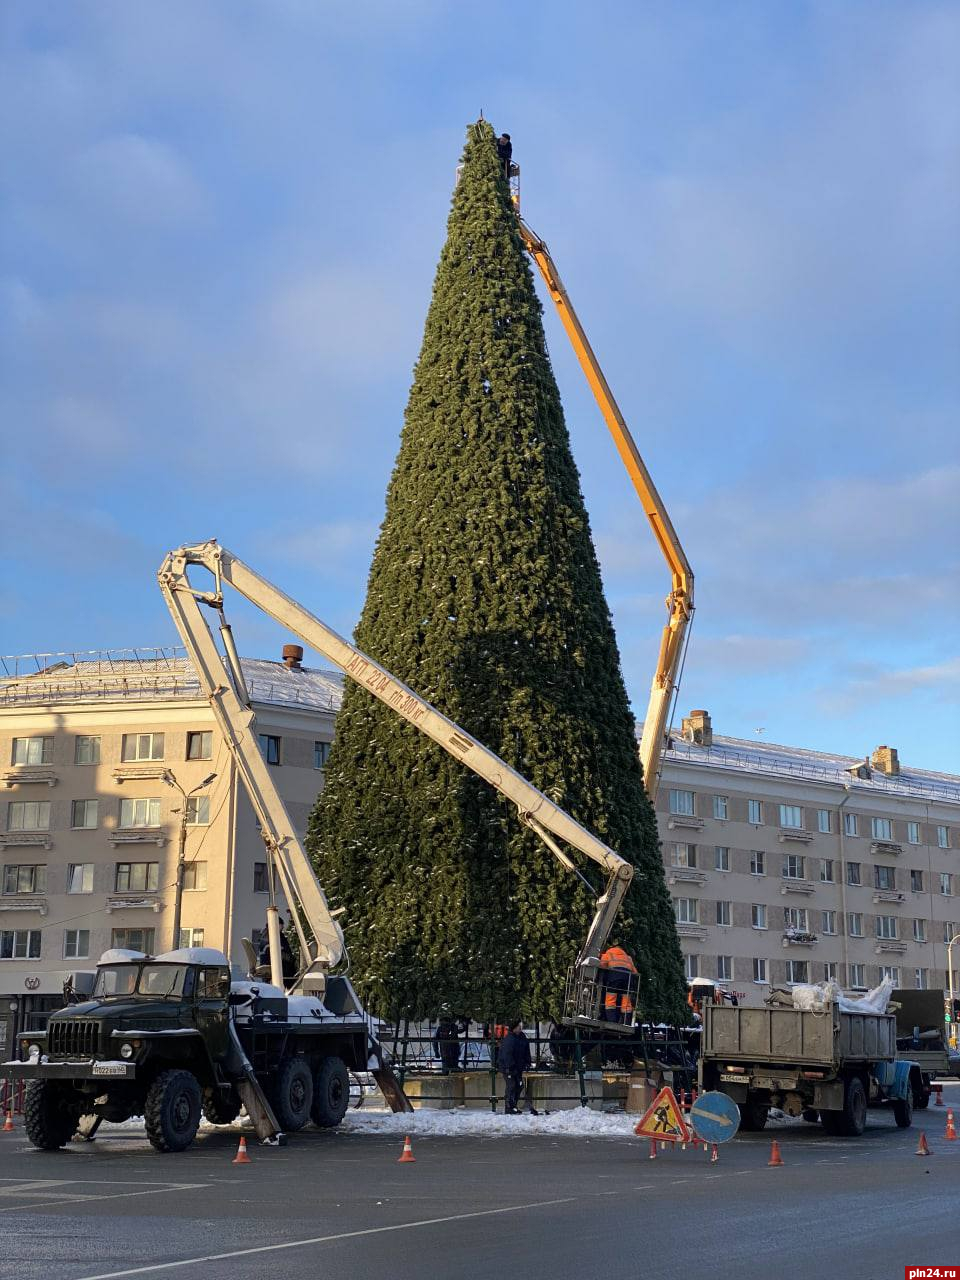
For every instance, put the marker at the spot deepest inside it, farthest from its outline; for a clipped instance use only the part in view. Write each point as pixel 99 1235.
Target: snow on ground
pixel 578 1122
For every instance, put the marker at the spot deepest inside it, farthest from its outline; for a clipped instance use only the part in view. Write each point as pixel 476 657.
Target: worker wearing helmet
pixel 617 968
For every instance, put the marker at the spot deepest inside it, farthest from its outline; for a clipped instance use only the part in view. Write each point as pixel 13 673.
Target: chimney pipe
pixel 886 760
pixel 696 727
pixel 292 656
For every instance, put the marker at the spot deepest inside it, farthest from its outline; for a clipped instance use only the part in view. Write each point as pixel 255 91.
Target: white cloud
pixel 141 181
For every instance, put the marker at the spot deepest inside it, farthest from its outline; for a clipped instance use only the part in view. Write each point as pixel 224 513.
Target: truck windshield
pixel 156 980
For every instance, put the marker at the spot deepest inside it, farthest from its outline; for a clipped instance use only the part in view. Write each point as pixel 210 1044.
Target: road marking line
pixel 341 1235
pixel 117 1195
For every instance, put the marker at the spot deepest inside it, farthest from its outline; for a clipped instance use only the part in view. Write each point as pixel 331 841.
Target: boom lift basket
pixel 589 997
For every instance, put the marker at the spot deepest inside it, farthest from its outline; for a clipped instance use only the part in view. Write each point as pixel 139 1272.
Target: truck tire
pixel 220 1107
pixel 753 1115
pixel 292 1094
pixel 921 1097
pixel 172 1111
pixel 48 1117
pixel 331 1092
pixel 903 1110
pixel 853 1118
pixel 831 1121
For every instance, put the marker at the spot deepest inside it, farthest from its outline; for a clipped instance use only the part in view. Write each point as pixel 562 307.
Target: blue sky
pixel 221 220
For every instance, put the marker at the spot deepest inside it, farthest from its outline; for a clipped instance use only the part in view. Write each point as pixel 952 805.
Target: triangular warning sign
pixel 663 1120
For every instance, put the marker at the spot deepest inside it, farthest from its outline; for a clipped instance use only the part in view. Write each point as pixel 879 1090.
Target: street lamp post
pixel 171 781
pixel 953 1026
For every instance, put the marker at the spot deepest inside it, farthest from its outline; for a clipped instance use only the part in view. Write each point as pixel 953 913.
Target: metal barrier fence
pixel 11 1096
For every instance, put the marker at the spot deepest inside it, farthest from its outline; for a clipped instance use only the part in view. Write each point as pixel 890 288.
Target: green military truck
pixel 922 1034
pixel 828 1064
pixel 172 1037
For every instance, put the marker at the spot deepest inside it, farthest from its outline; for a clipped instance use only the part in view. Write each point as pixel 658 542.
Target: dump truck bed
pixel 797 1037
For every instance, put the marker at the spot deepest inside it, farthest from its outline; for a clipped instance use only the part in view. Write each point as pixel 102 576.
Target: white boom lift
pixel 221 678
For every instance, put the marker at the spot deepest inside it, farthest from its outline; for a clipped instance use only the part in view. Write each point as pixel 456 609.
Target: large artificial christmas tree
pixel 485 597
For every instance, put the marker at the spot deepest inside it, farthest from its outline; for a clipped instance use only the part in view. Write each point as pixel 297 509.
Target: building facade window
pixel 795 918
pixel 887 927
pixel 884 877
pixel 198 811
pixel 683 855
pixel 950 931
pixel 195 876
pixel 80 877
pixel 143 812
pixel 913 833
pixel 721 858
pixel 724 968
pixel 850 826
pixel 881 828
pixel 757 863
pixel 19 944
pixel 890 971
pixel 919 930
pixel 823 821
pixel 191 938
pixel 682 803
pixel 828 921
pixel 261 882
pixel 29 877
pixel 76 944
pixel 943 838
pixel 87 750
pixel 136 877
pixel 916 881
pixel 134 940
pixel 759 969
pixel 84 814
pixel 920 979
pixel 720 808
pixel 691 967
pixel 830 971
pixel 798 971
pixel 28 815
pixel 791 816
pixel 793 866
pixel 321 754
pixel 826 871
pixel 270 747
pixel 858 977
pixel 200 745
pixel 724 917
pixel 141 746
pixel 687 910
pixel 853 873
pixel 755 812
pixel 855 924
pixel 946 884
pixel 758 915
pixel 32 751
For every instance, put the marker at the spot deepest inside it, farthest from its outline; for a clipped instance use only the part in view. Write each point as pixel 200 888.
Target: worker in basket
pixel 618 968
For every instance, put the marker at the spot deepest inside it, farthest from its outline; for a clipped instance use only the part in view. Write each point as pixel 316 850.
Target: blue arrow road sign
pixel 715 1117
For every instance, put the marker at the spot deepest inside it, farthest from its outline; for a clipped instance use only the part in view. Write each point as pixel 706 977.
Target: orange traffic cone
pixel 241 1157
pixel 951 1133
pixel 653 1148
pixel 939 1089
pixel 8 1123
pixel 714 1154
pixel 922 1148
pixel 775 1157
pixel 408 1157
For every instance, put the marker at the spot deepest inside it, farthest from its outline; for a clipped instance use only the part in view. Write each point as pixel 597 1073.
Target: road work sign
pixel 663 1120
pixel 715 1117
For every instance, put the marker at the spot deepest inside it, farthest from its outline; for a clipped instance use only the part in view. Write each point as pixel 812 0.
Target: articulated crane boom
pixel 321 937
pixel 680 599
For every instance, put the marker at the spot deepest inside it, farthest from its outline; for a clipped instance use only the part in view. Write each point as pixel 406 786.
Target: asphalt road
pixel 340 1206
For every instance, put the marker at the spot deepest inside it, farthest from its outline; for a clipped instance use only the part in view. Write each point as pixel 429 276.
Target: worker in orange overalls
pixel 617 967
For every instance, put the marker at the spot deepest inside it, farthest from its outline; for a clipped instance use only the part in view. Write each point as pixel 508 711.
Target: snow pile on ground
pixel 579 1122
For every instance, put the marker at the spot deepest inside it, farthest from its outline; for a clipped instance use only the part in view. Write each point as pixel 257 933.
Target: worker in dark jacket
pixel 505 152
pixel 446 1041
pixel 513 1059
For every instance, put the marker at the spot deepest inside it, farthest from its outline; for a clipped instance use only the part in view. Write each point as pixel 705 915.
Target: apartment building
pixel 787 865
pixel 95 753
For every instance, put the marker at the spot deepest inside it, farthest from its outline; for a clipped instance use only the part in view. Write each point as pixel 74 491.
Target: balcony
pixel 889 895
pixel 25 774
pixel 688 875
pixel 25 840
pixel 789 885
pixel 885 848
pixel 890 944
pixel 24 902
pixel 143 835
pixel 133 901
pixel 799 938
pixel 692 931
pixel 684 820
pixel 145 771
pixel 794 833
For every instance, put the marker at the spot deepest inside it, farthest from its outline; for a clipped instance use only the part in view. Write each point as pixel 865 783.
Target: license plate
pixel 110 1069
pixel 732 1079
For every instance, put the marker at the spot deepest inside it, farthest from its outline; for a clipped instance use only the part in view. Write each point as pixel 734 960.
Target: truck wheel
pixel 220 1107
pixel 172 1111
pixel 903 1110
pixel 753 1115
pixel 921 1099
pixel 331 1093
pixel 830 1121
pixel 49 1119
pixel 293 1094
pixel 853 1118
